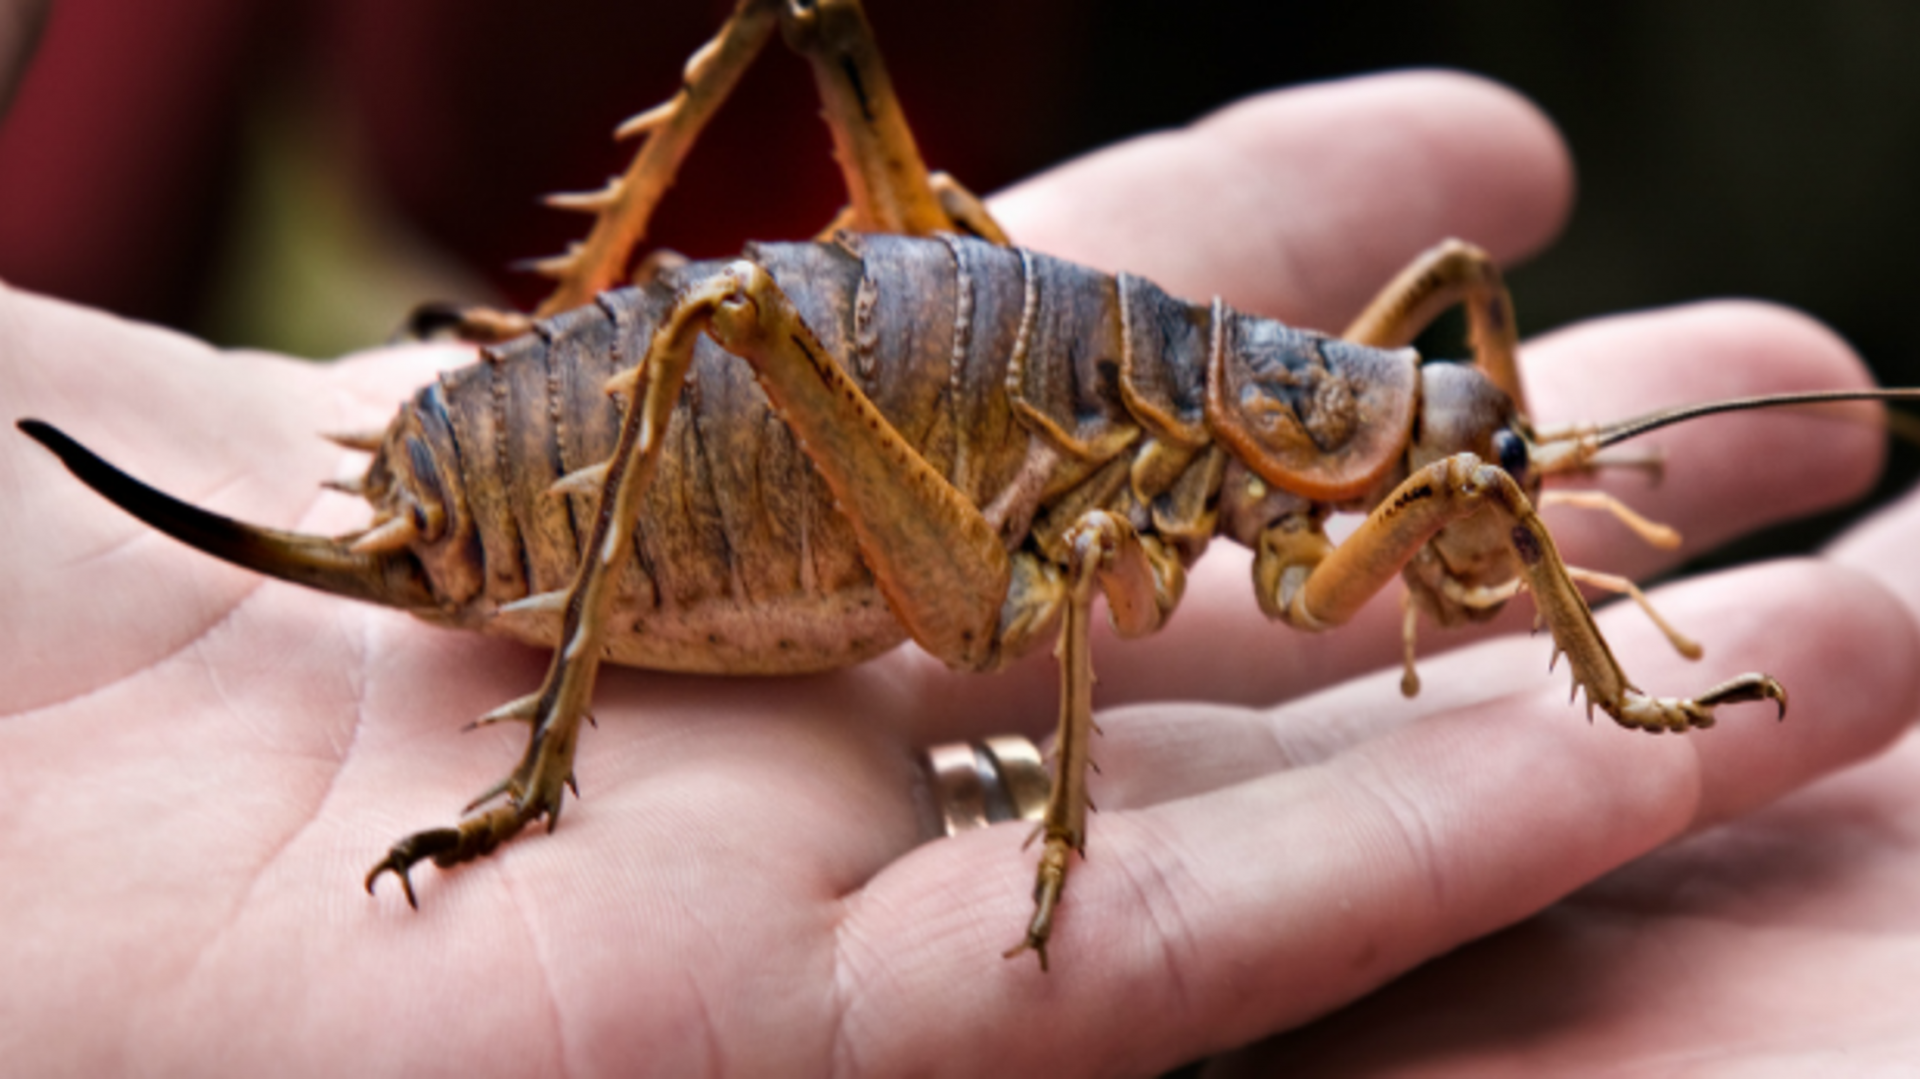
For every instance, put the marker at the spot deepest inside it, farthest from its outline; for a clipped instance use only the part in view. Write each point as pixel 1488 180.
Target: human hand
pixel 200 765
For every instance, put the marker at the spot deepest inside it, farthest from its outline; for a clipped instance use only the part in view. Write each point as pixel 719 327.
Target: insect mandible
pixel 974 441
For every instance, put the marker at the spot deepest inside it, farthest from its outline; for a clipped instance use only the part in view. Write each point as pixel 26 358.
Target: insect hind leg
pixel 623 208
pixel 940 564
pixel 888 186
pixel 535 787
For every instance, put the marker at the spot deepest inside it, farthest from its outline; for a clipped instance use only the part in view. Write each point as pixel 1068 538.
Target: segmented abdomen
pixel 1001 366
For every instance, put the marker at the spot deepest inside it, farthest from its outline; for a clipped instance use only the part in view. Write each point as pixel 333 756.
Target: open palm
pixel 198 766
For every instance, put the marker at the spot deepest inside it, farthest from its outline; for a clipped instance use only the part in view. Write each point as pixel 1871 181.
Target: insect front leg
pixel 937 560
pixel 1143 582
pixel 1312 584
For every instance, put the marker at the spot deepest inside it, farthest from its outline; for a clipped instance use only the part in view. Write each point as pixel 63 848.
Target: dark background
pixel 193 162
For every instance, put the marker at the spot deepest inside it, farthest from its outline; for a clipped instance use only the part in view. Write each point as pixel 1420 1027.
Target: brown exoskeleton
pixel 973 439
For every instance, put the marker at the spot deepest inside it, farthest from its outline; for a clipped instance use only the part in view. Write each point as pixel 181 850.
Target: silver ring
pixel 986 781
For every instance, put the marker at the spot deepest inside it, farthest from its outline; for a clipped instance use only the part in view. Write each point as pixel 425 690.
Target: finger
pixel 1153 753
pixel 1882 546
pixel 1776 938
pixel 1302 204
pixel 153 401
pixel 1724 476
pixel 1210 920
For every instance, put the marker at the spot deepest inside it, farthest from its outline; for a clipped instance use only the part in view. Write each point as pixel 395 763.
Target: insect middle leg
pixel 625 207
pixel 1451 272
pixel 940 564
pixel 1143 581
pixel 888 186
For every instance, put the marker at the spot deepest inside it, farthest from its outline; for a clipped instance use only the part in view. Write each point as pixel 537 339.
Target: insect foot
pixel 1052 879
pixel 533 790
pixel 434 843
pixel 472 838
pixel 1658 714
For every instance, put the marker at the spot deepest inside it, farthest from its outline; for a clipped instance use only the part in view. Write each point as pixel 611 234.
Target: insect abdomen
pixel 977 354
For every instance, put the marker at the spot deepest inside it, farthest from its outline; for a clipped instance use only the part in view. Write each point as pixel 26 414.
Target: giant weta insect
pixel 975 439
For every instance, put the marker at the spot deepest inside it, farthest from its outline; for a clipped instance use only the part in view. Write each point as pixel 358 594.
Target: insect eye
pixel 1511 449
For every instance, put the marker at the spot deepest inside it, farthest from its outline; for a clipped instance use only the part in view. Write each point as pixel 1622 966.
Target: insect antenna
pixel 1571 449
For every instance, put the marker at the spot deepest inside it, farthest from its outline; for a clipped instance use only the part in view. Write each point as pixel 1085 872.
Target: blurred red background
pixel 124 151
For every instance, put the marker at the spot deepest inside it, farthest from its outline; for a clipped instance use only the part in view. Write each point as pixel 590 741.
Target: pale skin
pixel 198 766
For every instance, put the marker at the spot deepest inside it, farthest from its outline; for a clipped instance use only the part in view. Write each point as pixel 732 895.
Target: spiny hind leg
pixel 531 791
pixel 888 186
pixel 624 207
pixel 938 561
pixel 942 567
pixel 535 787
